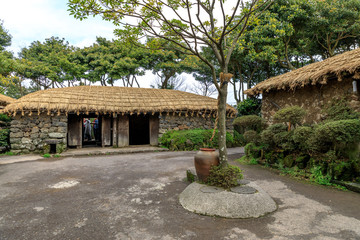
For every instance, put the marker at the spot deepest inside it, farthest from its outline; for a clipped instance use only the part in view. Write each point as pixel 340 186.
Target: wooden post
pixel 154 130
pixel 74 131
pixel 123 131
pixel 105 131
pixel 115 142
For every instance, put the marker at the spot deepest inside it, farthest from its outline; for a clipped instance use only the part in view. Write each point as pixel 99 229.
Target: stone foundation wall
pixel 181 123
pixel 312 98
pixel 35 133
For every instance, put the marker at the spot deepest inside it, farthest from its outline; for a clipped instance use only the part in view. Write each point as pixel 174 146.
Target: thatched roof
pixel 110 100
pixel 339 66
pixel 5 100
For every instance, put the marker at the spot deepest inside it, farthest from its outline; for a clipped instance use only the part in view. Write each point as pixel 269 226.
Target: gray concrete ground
pixel 135 196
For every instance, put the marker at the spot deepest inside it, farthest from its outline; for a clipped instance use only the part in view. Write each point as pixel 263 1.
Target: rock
pixel 26 140
pixel 16 134
pixel 227 204
pixel 57 135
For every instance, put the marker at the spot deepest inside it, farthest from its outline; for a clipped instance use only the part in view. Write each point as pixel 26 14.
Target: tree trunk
pixel 222 125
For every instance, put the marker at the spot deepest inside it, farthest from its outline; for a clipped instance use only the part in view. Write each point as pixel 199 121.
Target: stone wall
pixel 35 133
pixel 312 98
pixel 181 122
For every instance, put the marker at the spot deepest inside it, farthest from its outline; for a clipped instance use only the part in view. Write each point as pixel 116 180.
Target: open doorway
pixel 139 130
pixel 91 131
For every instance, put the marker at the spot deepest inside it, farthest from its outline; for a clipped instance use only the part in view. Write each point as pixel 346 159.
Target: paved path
pixel 135 196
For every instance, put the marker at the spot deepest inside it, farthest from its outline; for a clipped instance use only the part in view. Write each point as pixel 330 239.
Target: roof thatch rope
pixel 339 66
pixel 119 100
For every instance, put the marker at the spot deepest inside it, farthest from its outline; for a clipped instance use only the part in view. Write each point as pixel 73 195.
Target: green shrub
pixel 339 109
pixel 186 140
pixel 289 161
pixel 253 151
pixel 284 141
pixel 46 155
pixel 268 136
pixel 251 136
pixel 4 137
pixel 318 176
pixel 250 106
pixel 239 139
pixel 290 115
pixel 341 136
pixel 225 177
pixel 301 136
pixel 5 118
pixel 249 122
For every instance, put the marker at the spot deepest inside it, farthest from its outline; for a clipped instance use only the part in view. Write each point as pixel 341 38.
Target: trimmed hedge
pixel 249 122
pixel 187 140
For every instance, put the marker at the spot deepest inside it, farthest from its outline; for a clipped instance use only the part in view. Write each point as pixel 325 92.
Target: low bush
pixel 251 136
pixel 239 139
pixel 249 122
pixel 187 140
pixel 225 177
pixel 268 136
pixel 342 136
pixel 4 137
pixel 301 137
pixel 292 116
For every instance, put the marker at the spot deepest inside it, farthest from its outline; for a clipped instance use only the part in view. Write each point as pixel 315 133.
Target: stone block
pixel 34 135
pixel 44 130
pixel 43 135
pixel 26 134
pixel 57 135
pixel 15 140
pixel 53 129
pixel 14 130
pixel 16 134
pixel 25 140
pixel 60 124
pixel 15 122
pixel 35 129
pixel 15 147
pixel 62 129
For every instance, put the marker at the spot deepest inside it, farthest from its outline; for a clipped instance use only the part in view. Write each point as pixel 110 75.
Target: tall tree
pixel 5 37
pixel 48 62
pixel 188 25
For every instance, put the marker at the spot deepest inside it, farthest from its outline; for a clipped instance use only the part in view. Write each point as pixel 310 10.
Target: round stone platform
pixel 249 201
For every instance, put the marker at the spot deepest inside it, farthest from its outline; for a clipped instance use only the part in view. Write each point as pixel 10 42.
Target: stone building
pixel 312 87
pixel 53 120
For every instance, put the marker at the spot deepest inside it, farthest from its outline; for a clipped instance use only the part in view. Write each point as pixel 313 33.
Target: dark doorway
pixel 139 130
pixel 92 135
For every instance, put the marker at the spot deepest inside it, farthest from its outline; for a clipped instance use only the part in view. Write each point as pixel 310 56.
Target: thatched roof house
pixel 55 118
pixel 312 86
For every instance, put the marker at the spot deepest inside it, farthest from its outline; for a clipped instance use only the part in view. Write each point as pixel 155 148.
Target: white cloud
pixel 29 21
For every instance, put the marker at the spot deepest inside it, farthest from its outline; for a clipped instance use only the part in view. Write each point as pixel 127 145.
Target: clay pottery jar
pixel 204 160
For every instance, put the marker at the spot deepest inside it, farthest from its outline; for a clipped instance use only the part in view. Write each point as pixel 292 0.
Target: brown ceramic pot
pixel 203 160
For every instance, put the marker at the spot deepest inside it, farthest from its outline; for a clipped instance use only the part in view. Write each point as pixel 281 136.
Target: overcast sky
pixel 36 20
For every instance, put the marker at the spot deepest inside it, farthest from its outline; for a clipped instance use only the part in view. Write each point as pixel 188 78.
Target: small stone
pixel 25 140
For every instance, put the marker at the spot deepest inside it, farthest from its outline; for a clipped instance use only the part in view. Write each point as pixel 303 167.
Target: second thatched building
pixel 312 87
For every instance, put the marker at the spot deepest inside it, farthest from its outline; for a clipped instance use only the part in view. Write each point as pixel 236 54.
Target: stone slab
pixel 227 204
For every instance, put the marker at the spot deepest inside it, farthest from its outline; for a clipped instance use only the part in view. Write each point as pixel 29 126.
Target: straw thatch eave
pixel 5 100
pixel 339 67
pixel 114 100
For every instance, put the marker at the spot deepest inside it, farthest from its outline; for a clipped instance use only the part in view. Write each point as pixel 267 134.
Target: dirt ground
pixel 135 196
